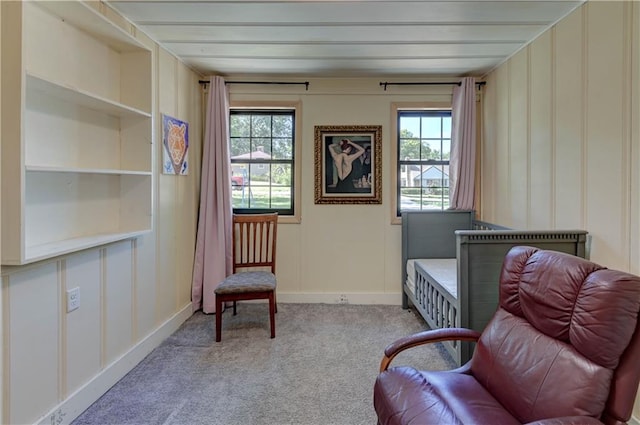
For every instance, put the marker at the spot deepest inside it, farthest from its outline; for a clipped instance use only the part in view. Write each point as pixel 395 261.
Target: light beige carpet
pixel 320 368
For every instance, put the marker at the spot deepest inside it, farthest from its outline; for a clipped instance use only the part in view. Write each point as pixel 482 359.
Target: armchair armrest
pixel 568 420
pixel 426 337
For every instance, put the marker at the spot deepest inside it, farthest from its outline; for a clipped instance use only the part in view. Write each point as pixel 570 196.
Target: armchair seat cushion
pixel 247 282
pixel 404 395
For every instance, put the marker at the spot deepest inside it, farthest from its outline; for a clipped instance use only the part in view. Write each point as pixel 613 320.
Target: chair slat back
pixel 254 241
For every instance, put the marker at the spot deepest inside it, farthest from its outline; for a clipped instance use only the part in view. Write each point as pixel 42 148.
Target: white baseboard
pixel 634 420
pixel 340 298
pixel 80 400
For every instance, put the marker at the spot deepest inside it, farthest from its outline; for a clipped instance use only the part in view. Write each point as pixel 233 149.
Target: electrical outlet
pixel 343 299
pixel 73 299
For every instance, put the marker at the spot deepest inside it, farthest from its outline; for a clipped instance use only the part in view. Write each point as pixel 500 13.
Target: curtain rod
pixel 457 83
pixel 306 83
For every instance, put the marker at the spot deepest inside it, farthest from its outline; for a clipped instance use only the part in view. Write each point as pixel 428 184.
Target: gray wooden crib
pixel 451 265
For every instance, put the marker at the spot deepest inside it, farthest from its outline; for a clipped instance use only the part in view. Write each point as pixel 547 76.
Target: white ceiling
pixel 344 38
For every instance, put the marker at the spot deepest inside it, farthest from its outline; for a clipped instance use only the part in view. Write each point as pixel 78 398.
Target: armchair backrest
pixel 564 340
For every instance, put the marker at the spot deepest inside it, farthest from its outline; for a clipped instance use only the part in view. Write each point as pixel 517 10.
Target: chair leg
pixel 275 301
pixel 218 319
pixel 234 308
pixel 272 313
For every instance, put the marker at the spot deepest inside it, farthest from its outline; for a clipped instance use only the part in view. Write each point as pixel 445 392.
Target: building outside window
pixel 262 160
pixel 423 149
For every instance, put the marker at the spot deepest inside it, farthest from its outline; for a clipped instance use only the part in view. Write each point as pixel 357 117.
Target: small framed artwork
pixel 175 141
pixel 348 164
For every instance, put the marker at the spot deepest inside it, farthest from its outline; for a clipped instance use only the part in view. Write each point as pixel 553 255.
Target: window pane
pixel 240 125
pixel 431 127
pixel 409 149
pixel 260 196
pixel 410 175
pixel 281 197
pixel 446 149
pixel 259 187
pixel 239 175
pixel 259 174
pixel 261 126
pixel 282 174
pixel 410 198
pixel 434 180
pixel 261 149
pixel 239 184
pixel 281 190
pixel 430 150
pixel 446 127
pixel 445 198
pixel 239 199
pixel 282 126
pixel 282 148
pixel 239 147
pixel 409 127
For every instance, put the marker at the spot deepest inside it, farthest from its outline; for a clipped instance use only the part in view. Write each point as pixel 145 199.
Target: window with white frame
pixel 262 160
pixel 423 152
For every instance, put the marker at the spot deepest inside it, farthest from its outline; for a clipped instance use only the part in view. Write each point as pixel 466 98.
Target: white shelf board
pixel 54 249
pixel 48 169
pixel 82 98
pixel 92 22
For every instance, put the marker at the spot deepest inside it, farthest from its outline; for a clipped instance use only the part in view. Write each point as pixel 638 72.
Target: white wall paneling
pixel 566 125
pixel 117 299
pixel 541 126
pixel 32 371
pixel 607 149
pixel 519 139
pixel 569 110
pixel 84 325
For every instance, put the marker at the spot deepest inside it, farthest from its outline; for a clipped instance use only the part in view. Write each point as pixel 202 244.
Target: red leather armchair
pixel 562 348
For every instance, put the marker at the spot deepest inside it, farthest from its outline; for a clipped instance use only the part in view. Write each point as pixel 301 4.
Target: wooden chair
pixel 254 266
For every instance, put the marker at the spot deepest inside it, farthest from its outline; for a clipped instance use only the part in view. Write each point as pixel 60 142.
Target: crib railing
pixel 436 305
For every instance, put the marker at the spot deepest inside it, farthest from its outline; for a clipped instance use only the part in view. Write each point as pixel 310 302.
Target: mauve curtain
pixel 213 242
pixel 462 165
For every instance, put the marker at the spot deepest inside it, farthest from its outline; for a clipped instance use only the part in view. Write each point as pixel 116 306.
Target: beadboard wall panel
pixel 541 125
pixel 503 173
pixel 117 299
pixel 519 138
pixel 84 325
pixel 607 150
pixel 566 125
pixel 168 187
pixel 188 189
pixel 568 107
pixel 32 363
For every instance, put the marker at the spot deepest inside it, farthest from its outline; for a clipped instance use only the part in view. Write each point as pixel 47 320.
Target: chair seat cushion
pixel 403 395
pixel 238 283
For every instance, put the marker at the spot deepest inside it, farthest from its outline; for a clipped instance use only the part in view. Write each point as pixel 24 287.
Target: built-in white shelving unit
pixel 76 131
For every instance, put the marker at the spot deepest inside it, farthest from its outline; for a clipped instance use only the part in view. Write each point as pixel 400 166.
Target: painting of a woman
pixel 343 156
pixel 348 164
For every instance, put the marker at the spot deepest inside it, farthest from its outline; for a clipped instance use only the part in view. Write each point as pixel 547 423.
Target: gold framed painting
pixel 348 164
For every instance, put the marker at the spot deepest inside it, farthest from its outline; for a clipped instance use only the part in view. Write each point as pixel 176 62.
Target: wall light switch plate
pixel 73 299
